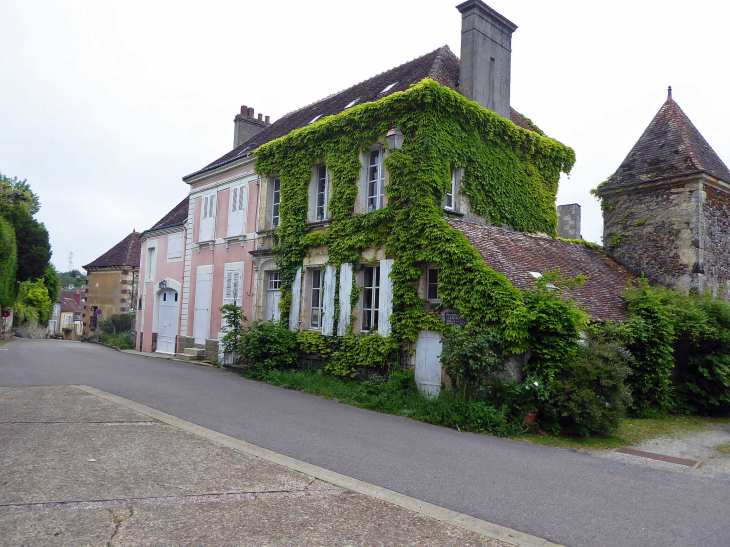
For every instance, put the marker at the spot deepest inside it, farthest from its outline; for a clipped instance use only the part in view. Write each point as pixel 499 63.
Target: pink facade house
pixel 162 265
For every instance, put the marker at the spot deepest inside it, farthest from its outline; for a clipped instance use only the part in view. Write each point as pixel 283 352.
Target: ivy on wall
pixel 510 177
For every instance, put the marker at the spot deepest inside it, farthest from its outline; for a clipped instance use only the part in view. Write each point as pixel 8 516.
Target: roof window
pixel 538 275
pixel 352 103
pixel 388 88
pixel 318 116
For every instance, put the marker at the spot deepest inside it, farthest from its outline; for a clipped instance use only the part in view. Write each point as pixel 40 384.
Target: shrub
pixel 649 332
pixel 555 325
pixel 469 356
pixel 359 351
pixel 269 345
pixel 233 320
pixel 314 343
pixel 590 395
pixel 117 323
pixel 702 352
pixel 123 340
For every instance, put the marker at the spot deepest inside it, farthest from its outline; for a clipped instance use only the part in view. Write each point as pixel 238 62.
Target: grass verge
pixel 632 431
pixel 4 341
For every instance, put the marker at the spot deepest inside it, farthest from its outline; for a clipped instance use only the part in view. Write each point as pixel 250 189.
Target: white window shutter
pixel 385 305
pixel 328 301
pixel 296 296
pixel 345 292
pixel 228 289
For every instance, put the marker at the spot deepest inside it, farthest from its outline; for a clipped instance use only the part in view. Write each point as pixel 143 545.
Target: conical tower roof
pixel 671 146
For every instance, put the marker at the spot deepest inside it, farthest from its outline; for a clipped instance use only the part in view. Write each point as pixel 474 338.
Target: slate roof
pixel 671 146
pixel 515 254
pixel 440 65
pixel 177 216
pixel 124 253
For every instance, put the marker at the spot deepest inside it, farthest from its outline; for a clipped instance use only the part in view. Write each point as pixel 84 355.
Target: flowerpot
pixel 530 417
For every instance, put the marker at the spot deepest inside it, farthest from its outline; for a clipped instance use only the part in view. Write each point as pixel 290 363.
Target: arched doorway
pixel 166 320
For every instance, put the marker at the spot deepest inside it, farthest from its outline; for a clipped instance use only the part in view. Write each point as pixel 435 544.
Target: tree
pixel 51 281
pixel 32 304
pixel 8 263
pixel 17 192
pixel 33 247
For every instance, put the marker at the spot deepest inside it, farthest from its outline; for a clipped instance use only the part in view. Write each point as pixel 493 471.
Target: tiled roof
pixel 440 65
pixel 671 146
pixel 69 305
pixel 178 215
pixel 124 253
pixel 516 254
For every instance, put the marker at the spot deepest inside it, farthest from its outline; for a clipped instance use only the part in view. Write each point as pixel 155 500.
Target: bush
pixel 269 345
pixel 702 352
pixel 469 356
pixel 233 320
pixel 122 341
pixel 589 395
pixel 649 332
pixel 358 351
pixel 117 323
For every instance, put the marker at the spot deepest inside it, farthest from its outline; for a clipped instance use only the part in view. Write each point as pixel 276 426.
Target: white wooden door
pixel 167 321
pixel 201 323
pixel 272 305
pixel 428 362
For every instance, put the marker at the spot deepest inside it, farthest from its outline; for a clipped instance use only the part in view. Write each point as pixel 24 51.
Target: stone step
pixel 198 353
pixel 186 357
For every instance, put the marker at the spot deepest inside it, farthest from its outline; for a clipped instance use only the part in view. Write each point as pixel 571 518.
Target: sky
pixel 105 106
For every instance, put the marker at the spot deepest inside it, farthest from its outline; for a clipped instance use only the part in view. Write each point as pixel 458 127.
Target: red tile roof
pixel 516 254
pixel 440 65
pixel 671 146
pixel 124 253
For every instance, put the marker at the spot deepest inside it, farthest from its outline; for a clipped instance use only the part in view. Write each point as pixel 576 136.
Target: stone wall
pixel 655 231
pixel 716 241
pixel 210 347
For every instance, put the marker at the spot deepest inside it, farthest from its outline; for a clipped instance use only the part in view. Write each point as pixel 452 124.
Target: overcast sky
pixel 104 106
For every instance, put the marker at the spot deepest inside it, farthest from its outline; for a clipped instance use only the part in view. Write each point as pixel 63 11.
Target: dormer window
pixel 376 180
pixel 449 195
pixel 352 103
pixel 318 116
pixel 388 88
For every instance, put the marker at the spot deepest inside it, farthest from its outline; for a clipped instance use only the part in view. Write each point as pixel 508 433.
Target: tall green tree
pixel 17 192
pixel 51 281
pixel 8 263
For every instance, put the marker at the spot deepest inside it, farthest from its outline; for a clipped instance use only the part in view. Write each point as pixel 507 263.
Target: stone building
pixel 112 282
pixel 666 210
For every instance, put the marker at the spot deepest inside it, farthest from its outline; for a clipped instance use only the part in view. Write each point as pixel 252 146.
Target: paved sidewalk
pixel 77 469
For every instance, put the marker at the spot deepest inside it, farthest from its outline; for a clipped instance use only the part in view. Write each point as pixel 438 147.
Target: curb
pixel 460 520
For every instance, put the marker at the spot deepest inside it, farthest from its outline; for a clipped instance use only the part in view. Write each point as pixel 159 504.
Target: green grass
pixel 121 341
pixel 5 341
pixel 723 449
pixel 398 396
pixel 632 431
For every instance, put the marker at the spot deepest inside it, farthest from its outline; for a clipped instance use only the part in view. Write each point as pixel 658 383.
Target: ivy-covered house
pixel 414 199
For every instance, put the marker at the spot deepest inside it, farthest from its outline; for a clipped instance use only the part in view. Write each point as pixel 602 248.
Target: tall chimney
pixel 486 52
pixel 246 126
pixel 569 221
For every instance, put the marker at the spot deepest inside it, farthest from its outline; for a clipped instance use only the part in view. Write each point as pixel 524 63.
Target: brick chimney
pixel 246 125
pixel 486 56
pixel 569 221
pixel 77 297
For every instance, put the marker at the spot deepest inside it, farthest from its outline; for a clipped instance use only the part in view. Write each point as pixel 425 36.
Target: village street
pixel 568 498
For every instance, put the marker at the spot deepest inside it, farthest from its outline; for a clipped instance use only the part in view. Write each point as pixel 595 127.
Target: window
pixel 376 180
pixel 174 246
pixel 151 259
pixel 275 202
pixel 449 196
pixel 233 288
pixel 388 88
pixel 315 316
pixel 370 297
pixel 237 210
pixel 352 103
pixel 274 281
pixel 318 116
pixel 432 284
pixel 207 217
pixel 323 183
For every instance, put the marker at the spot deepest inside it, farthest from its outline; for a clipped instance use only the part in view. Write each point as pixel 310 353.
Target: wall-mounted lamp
pixel 394 139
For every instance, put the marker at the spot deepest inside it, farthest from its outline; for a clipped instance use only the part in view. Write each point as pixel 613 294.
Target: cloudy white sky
pixel 104 106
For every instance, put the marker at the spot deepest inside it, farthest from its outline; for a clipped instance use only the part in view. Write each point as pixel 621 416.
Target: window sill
pixel 234 239
pixel 452 212
pixel 210 243
pixel 319 223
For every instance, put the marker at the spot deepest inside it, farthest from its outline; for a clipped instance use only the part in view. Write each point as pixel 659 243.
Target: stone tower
pixel 666 210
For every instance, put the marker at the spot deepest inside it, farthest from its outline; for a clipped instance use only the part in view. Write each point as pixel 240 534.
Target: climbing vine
pixel 510 177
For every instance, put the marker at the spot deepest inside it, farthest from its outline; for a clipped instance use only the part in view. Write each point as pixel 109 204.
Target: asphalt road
pixel 568 498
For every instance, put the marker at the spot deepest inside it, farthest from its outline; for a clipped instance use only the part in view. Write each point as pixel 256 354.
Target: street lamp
pixel 394 139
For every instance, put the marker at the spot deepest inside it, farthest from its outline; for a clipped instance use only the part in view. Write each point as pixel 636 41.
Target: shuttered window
pixel 237 210
pixel 174 246
pixel 207 217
